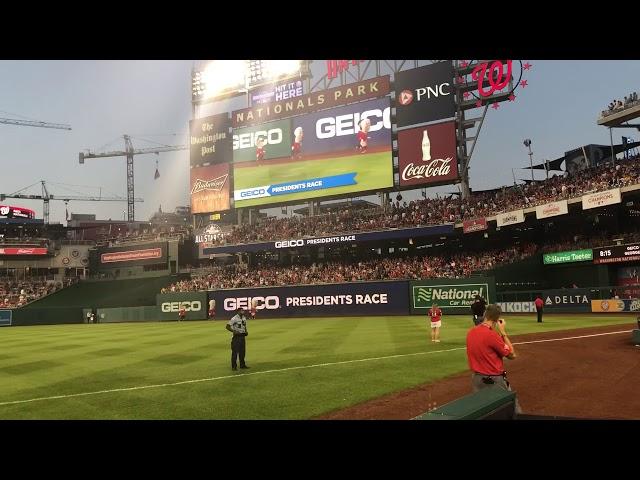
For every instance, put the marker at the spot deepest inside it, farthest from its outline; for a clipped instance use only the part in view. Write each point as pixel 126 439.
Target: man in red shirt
pixel 485 350
pixel 436 322
pixel 182 313
pixel 539 308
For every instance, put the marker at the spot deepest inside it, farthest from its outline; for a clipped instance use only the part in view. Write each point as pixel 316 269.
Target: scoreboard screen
pixel 617 254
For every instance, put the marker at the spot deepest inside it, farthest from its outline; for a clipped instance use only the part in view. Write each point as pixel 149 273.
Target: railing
pixel 626 106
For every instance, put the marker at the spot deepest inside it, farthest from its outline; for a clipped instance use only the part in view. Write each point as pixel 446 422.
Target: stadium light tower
pixel 527 143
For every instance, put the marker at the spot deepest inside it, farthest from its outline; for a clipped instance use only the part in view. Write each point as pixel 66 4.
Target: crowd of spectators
pixel 618 105
pixel 457 265
pixel 437 211
pixel 18 293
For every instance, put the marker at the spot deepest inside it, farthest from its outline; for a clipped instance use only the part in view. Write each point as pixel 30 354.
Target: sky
pixel 151 101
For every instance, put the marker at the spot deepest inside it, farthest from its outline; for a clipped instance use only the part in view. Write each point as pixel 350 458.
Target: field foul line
pixel 199 380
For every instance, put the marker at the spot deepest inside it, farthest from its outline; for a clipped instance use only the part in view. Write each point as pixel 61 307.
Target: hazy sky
pixel 102 100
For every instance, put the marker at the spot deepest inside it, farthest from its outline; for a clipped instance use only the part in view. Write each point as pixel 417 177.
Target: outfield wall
pixel 330 300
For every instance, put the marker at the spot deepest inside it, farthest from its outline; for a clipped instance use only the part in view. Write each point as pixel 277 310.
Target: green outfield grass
pixel 63 360
pixel 375 171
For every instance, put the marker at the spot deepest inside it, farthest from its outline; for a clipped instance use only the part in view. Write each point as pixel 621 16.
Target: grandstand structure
pixel 504 233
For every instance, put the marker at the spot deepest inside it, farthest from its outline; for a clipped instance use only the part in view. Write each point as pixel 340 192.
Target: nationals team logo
pixel 493 77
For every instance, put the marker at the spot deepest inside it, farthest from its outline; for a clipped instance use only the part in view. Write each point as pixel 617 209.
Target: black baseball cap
pixel 240 309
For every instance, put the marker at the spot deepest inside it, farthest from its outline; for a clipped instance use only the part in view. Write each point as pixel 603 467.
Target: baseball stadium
pixel 340 240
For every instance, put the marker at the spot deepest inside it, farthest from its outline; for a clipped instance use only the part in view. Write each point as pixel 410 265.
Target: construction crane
pixel 129 152
pixel 46 197
pixel 34 123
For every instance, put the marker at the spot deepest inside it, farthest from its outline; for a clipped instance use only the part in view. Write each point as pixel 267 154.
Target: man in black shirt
pixel 477 308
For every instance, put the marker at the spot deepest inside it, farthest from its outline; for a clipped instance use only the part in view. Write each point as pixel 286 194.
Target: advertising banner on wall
pixel 424 94
pixel 600 199
pixel 344 299
pixel 398 234
pixel 23 251
pixel 453 296
pixel 210 188
pixel 312 102
pixel 427 155
pixel 276 92
pixel 195 304
pixel 617 254
pixel 210 140
pixel 16 212
pixel 133 255
pixel 475 225
pixel 510 218
pixel 332 152
pixel 552 209
pixel 615 306
pixel 567 257
pixel 571 300
pixel 517 307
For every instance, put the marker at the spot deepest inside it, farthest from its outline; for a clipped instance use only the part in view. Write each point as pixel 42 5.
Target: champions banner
pixel 601 199
pixel 475 225
pixel 510 218
pixel 552 209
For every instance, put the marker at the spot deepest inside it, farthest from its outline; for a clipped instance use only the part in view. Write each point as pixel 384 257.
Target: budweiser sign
pixel 215 185
pixel 552 209
pixel 427 155
pixel 210 195
pixel 23 251
pixel 475 225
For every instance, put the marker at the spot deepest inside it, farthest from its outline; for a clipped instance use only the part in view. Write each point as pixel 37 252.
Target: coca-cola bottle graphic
pixel 426 147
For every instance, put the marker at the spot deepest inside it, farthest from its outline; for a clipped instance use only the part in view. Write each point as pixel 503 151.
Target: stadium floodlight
pixel 219 77
pixel 227 78
pixel 265 71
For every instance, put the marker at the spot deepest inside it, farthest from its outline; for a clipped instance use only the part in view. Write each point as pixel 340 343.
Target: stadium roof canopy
pixel 606 149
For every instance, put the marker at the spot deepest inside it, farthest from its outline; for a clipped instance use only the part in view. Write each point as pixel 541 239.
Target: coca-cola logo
pixel 438 167
pixel 216 184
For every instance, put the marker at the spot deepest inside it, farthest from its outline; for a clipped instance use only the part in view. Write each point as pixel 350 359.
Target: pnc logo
pixel 405 97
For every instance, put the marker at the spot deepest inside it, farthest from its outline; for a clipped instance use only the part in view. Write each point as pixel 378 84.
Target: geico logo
pixel 248 140
pixel 434 91
pixel 348 124
pixel 290 243
pixel 269 303
pixel 175 306
pixel 253 193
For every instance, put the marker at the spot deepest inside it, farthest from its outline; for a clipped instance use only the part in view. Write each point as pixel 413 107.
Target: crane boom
pixel 129 152
pixel 34 123
pixel 46 197
pixel 67 198
pixel 137 151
